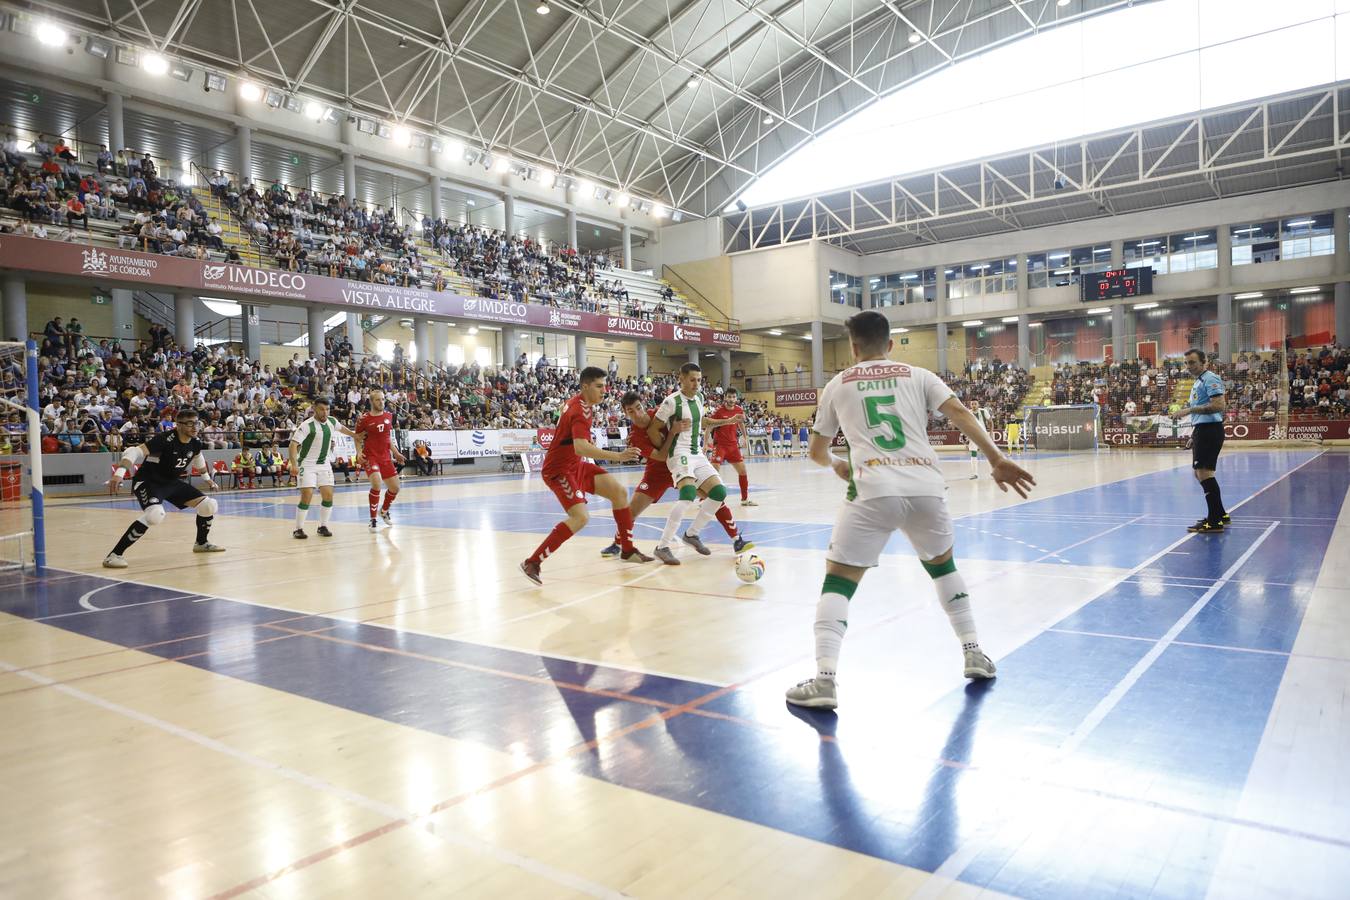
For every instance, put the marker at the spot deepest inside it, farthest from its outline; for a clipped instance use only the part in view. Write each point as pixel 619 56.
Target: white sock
pixel 325 513
pixel 677 511
pixel 707 511
pixel 831 623
pixel 955 602
pixel 301 511
pixel 974 464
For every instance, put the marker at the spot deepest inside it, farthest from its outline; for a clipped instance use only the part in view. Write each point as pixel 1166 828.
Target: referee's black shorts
pixel 1206 442
pixel 178 492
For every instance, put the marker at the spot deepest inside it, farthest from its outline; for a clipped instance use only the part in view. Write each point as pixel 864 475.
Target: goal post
pixel 22 536
pixel 1074 426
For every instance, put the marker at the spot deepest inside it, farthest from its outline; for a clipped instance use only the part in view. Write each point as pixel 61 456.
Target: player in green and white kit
pixel 987 423
pixel 311 454
pixel 690 469
pixel 894 483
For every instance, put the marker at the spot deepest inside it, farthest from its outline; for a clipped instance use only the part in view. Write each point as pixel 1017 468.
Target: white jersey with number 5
pixel 882 407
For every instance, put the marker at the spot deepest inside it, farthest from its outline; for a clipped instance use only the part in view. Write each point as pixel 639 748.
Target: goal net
pixel 22 543
pixel 1063 427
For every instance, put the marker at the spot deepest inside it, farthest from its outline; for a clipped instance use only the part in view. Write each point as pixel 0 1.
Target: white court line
pixel 393 813
pixel 946 874
pixel 459 635
pixel 1111 700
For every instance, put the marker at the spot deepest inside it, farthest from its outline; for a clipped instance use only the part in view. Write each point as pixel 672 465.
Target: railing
pixel 687 289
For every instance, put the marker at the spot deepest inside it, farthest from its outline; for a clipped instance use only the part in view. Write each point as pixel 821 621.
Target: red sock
pixel 389 497
pixel 624 519
pixel 728 523
pixel 556 538
pixel 745 487
pixel 374 502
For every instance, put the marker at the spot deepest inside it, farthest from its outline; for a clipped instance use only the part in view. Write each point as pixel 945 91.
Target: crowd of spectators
pixel 1317 382
pixel 999 387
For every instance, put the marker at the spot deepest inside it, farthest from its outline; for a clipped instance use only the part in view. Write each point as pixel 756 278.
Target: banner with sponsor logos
pixel 517 440
pixel 238 282
pixel 1304 430
pixel 804 397
pixel 532 460
pixel 478 443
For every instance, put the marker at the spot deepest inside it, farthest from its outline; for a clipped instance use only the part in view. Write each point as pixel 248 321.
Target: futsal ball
pixel 749 568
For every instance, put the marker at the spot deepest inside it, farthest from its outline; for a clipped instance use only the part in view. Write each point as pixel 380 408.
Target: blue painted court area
pixel 1107 759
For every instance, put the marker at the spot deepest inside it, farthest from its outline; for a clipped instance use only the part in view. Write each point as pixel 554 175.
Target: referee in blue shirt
pixel 1206 411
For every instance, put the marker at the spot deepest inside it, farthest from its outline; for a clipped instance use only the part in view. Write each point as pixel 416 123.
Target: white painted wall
pixel 687 242
pixel 778 287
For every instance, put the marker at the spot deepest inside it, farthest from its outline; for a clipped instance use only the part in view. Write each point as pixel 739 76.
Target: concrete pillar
pixel 244 134
pixel 627 246
pixel 117 136
pixel 1118 348
pixel 434 184
pixel 817 354
pixel 572 228
pixel 1131 333
pixel 315 315
pixel 1225 257
pixel 184 320
pixel 356 335
pixel 641 359
pixel 1225 336
pixel 509 346
pixel 1118 253
pixel 940 301
pixel 1340 229
pixel 1024 341
pixel 16 307
pixel 509 213
pixel 251 339
pixel 349 175
pixel 725 356
pixel 693 355
pixel 579 351
pixel 941 341
pixel 422 338
pixel 1023 283
pixel 440 336
pixel 1342 314
pixel 124 315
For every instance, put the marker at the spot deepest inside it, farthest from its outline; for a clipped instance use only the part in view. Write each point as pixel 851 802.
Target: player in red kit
pixel 656 478
pixel 726 439
pixel 571 476
pixel 374 438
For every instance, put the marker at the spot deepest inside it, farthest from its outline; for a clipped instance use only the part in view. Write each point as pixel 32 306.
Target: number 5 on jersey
pixel 878 419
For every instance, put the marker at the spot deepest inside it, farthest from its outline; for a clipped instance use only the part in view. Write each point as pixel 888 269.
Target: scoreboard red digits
pixel 1116 283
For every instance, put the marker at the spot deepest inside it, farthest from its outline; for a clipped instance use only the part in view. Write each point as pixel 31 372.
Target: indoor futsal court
pixel 402 713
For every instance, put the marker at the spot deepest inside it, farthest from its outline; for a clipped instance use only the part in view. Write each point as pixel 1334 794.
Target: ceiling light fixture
pixel 915 37
pixel 50 34
pixel 623 199
pixel 972 323
pixel 401 135
pixel 313 110
pixel 768 120
pixel 154 63
pixel 1010 318
pixel 250 92
pixel 1099 311
pixel 1250 295
pixel 97 47
pixel 1306 290
pixel 1145 306
pixel 899 330
pixel 775 332
pixel 659 210
pixel 503 166
pixel 181 72
pixel 543 8
pixel 214 82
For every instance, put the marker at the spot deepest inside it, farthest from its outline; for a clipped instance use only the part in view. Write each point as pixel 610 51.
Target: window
pixel 846 289
pixel 1147 253
pixel 1304 236
pixel 995 276
pixel 1193 250
pixel 1091 259
pixel 899 288
pixel 1049 269
pixel 1256 242
pixel 454 355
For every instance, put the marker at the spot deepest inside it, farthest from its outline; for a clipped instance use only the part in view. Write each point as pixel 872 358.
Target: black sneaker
pixel 1204 526
pixel 324 532
pixel 1226 519
pixel 299 534
pixel 611 551
pixel 742 544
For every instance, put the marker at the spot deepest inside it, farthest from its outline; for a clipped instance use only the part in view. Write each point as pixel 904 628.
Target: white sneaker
pixel 748 502
pixel 814 693
pixel 113 561
pixel 978 665
pixel 208 547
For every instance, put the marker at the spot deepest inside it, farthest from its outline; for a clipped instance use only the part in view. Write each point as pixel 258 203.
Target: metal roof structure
pixel 681 101
pixel 1284 141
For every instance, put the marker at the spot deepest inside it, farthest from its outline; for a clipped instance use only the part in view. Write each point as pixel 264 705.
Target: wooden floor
pixel 403 714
